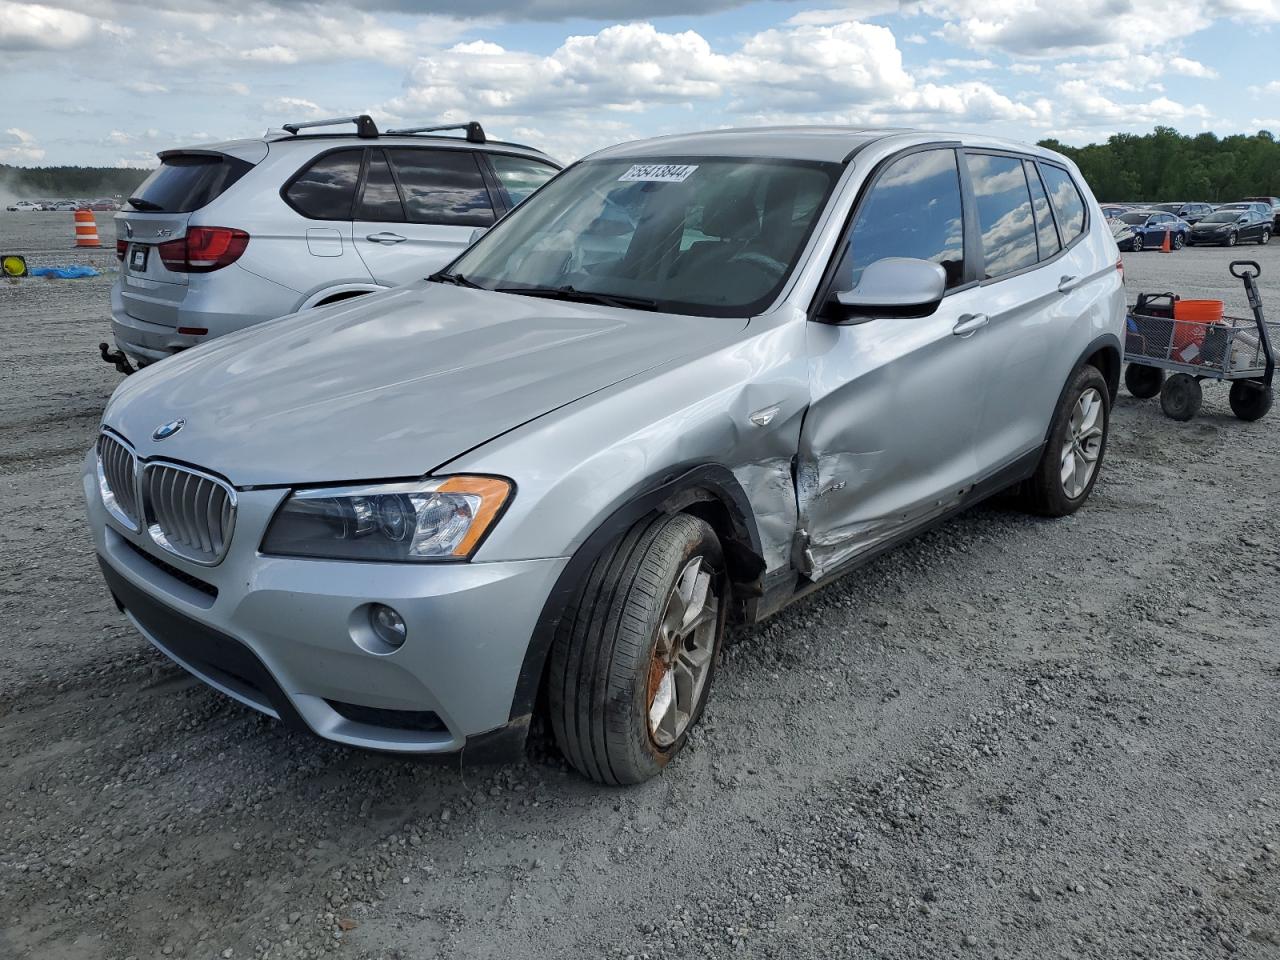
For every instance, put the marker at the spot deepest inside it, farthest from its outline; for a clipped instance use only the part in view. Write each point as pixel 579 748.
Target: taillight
pixel 203 249
pixel 1120 267
pixel 122 247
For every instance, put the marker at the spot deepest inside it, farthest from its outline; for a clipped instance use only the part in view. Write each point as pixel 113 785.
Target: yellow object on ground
pixel 13 266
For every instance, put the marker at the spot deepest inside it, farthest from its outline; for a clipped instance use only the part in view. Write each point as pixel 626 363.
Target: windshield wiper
pixel 583 296
pixel 457 279
pixel 148 205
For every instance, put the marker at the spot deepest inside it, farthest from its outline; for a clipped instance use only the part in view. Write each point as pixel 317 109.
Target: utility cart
pixel 1192 341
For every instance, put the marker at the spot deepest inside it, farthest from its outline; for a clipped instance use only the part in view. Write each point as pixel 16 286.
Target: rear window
pixel 1066 199
pixel 189 181
pixel 326 189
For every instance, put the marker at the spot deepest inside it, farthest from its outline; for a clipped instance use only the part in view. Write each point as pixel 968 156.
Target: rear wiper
pixel 457 279
pixel 149 205
pixel 583 296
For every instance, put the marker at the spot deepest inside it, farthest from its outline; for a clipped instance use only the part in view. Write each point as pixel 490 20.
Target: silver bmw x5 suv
pixel 688 381
pixel 227 235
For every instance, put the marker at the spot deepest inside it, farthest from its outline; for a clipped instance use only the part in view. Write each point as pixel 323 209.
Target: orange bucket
pixel 1192 318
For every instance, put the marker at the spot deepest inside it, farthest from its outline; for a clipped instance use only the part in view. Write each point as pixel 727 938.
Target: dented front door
pixel 888 442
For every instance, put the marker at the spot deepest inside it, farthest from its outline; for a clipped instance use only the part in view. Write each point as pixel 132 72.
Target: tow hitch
pixel 116 358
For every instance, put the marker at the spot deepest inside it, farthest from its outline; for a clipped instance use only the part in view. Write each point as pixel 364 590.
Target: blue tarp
pixel 74 272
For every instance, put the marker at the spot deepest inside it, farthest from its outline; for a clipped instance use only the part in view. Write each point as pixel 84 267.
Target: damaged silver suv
pixel 687 381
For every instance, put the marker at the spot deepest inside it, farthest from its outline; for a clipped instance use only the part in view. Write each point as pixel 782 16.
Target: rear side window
pixel 380 200
pixel 1066 199
pixel 442 187
pixel 189 181
pixel 326 189
pixel 520 176
pixel 912 210
pixel 1046 232
pixel 1004 213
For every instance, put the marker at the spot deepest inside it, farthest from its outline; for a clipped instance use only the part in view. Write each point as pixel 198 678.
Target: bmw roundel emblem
pixel 167 430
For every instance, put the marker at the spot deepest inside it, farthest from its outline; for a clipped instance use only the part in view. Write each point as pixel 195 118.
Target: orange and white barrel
pixel 86 229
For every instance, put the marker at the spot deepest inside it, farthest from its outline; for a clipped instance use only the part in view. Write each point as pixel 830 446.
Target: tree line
pixel 55 183
pixel 1168 165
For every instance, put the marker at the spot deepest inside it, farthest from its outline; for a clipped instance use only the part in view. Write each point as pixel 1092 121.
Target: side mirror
pixel 477 233
pixel 892 287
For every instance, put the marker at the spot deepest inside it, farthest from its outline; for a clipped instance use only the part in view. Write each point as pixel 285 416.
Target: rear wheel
pixel 1181 396
pixel 1143 381
pixel 1232 237
pixel 1249 401
pixel 1068 468
pixel 634 656
pixel 1265 238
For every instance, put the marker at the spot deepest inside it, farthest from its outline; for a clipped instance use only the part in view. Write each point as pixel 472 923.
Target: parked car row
pixel 63 206
pixel 646 406
pixel 1138 227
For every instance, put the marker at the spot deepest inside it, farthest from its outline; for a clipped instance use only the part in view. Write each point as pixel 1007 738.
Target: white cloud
pixel 144 86
pixel 1083 106
pixel 1191 68
pixel 295 107
pixel 21 148
pixel 34 26
pixel 862 10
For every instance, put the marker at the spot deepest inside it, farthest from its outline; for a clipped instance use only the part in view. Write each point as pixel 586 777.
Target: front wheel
pixel 633 658
pixel 1249 401
pixel 1179 241
pixel 1265 238
pixel 1068 467
pixel 1138 243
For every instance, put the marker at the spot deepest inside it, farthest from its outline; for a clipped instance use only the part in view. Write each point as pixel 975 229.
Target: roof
pixel 834 144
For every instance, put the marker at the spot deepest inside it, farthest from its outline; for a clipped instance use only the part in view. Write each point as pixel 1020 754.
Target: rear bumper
pixel 220 303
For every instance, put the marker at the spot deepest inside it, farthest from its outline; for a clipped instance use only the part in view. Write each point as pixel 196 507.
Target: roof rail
pixel 475 132
pixel 365 127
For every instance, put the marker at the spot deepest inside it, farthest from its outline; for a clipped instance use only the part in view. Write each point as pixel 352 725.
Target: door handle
pixel 386 238
pixel 970 323
pixel 1067 284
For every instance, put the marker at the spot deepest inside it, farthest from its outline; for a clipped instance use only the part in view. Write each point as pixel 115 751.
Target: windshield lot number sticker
pixel 659 172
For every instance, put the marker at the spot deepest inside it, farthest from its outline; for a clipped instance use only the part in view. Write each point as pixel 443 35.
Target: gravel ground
pixel 1010 738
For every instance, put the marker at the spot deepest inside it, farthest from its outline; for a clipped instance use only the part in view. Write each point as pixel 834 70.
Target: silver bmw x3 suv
pixel 228 235
pixel 688 381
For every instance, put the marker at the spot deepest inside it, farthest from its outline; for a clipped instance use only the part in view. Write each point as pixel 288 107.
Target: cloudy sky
pixel 113 81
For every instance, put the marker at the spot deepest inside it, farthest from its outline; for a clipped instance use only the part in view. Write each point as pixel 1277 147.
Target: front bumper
pixel 275 633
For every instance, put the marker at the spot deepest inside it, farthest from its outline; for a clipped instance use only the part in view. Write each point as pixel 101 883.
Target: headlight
pixel 440 519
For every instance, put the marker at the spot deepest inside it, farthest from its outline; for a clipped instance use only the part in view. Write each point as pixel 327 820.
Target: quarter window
pixel 380 200
pixel 326 189
pixel 442 187
pixel 912 210
pixel 1066 199
pixel 1004 213
pixel 520 176
pixel 1046 232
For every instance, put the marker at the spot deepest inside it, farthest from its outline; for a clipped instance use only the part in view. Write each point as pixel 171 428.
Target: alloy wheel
pixel 683 654
pixel 1083 443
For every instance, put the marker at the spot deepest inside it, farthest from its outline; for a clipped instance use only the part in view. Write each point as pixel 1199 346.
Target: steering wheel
pixel 777 267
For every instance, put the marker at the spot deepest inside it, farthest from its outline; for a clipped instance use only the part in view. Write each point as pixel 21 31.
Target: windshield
pixel 713 237
pixel 1223 216
pixel 1133 217
pixel 1167 207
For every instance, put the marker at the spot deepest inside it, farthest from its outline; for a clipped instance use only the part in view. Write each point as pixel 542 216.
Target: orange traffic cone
pixel 1165 247
pixel 86 229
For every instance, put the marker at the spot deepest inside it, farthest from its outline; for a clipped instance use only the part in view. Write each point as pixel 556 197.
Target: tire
pixel 1142 381
pixel 1231 239
pixel 1180 397
pixel 1047 493
pixel 1249 401
pixel 606 676
pixel 1264 238
pixel 1138 243
pixel 1179 241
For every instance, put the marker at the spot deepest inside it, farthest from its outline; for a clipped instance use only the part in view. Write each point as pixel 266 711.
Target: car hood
pixel 391 385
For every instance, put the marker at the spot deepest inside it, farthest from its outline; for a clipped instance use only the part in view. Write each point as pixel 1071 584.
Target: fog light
pixel 387 625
